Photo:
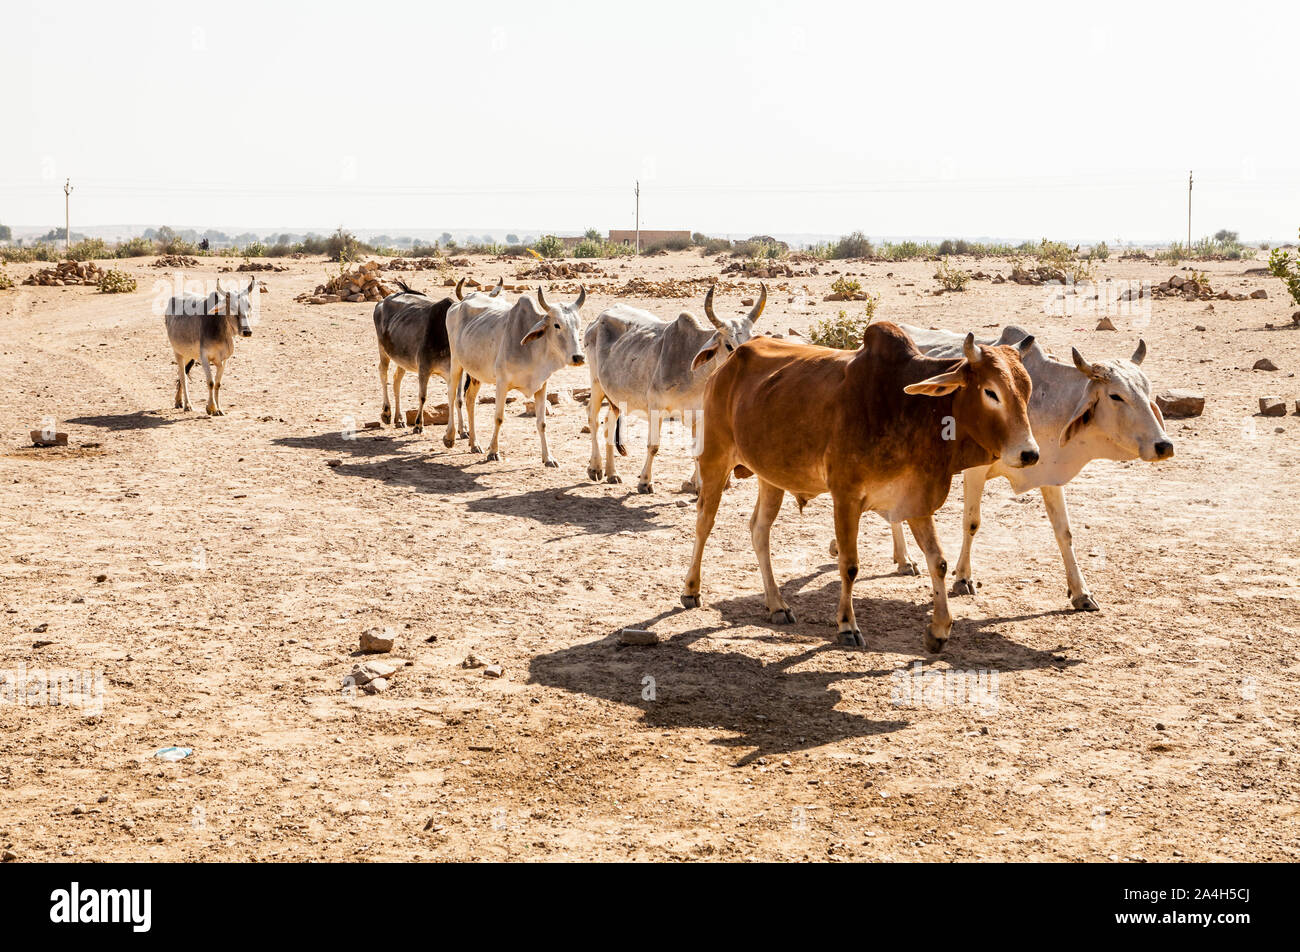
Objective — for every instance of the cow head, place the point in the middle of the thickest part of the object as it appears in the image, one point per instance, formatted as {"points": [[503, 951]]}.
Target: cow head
{"points": [[1117, 401], [991, 402], [728, 334], [238, 304], [560, 329]]}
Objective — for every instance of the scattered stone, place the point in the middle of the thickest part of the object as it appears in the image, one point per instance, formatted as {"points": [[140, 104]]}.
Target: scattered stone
{"points": [[1106, 324], [435, 417], [366, 674], [637, 636], [493, 671], [8, 856], [334, 462], [373, 641], [1272, 406], [1200, 327], [1259, 295], [1180, 403], [1264, 364], [46, 438], [101, 578], [473, 660]]}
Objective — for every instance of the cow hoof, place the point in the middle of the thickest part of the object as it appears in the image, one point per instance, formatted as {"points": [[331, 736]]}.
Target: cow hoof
{"points": [[908, 568], [417, 428], [476, 448], [551, 464], [178, 405], [782, 616], [689, 486], [1084, 603], [613, 480], [934, 644], [464, 434], [493, 457], [218, 412], [448, 442], [690, 601], [386, 415], [594, 474], [834, 549], [963, 586], [645, 488], [400, 424], [852, 639]]}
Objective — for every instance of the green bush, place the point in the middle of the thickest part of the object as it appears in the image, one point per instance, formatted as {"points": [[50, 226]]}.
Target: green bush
{"points": [[672, 244], [135, 248], [548, 246], [6, 282], [1282, 266], [906, 251], [951, 278], [842, 331], [846, 286], [254, 249], [1100, 251], [41, 251], [116, 282], [856, 245], [89, 249]]}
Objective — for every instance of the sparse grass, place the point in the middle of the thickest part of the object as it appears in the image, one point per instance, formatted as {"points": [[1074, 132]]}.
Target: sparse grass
{"points": [[89, 249], [597, 248], [1100, 251], [906, 251], [116, 281], [711, 247], [41, 251], [672, 244], [134, 248], [6, 282], [757, 250], [843, 332], [846, 286]]}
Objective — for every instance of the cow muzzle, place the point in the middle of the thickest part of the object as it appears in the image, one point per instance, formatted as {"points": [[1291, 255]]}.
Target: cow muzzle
{"points": [[1024, 455], [1163, 449], [246, 333], [578, 360]]}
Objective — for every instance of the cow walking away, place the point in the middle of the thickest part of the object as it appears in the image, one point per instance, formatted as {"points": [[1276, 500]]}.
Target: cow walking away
{"points": [[513, 347], [884, 428], [656, 367], [202, 329], [1080, 411], [411, 330]]}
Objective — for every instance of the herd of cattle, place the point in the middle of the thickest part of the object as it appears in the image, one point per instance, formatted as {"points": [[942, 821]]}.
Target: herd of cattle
{"points": [[884, 428]]}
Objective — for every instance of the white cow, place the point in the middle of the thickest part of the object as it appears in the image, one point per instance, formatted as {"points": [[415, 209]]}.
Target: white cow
{"points": [[514, 348], [1079, 412], [648, 365]]}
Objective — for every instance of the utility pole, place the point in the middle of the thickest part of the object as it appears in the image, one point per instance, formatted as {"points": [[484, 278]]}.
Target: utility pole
{"points": [[67, 214], [638, 216], [1189, 212]]}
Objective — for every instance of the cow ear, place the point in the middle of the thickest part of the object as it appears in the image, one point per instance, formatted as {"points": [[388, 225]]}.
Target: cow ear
{"points": [[1082, 415], [707, 352], [939, 386], [538, 330], [251, 282], [1160, 417]]}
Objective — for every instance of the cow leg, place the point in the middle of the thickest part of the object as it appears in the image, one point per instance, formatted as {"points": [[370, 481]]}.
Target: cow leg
{"points": [[973, 481], [848, 514], [386, 411], [454, 373], [611, 434], [936, 636], [1054, 499], [760, 533], [594, 472], [692, 485], [207, 372], [456, 397], [902, 559], [399, 418], [216, 389], [424, 395], [645, 482], [498, 417], [182, 385], [539, 409], [706, 511]]}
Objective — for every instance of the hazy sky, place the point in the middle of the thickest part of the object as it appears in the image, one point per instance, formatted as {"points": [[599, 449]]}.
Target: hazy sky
{"points": [[962, 119]]}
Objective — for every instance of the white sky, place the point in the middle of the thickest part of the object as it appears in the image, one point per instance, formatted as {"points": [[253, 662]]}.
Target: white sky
{"points": [[932, 118]]}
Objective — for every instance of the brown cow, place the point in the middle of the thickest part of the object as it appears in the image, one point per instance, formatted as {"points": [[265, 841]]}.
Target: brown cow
{"points": [[883, 428]]}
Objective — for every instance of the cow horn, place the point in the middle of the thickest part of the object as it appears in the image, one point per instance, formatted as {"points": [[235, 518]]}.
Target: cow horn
{"points": [[762, 303], [1140, 354], [497, 290], [460, 290], [582, 297], [708, 309], [541, 299], [971, 349], [1085, 368]]}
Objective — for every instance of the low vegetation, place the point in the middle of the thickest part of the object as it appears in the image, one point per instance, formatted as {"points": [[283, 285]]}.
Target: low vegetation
{"points": [[950, 277], [1287, 269], [549, 246], [599, 248], [116, 281], [843, 332], [6, 282]]}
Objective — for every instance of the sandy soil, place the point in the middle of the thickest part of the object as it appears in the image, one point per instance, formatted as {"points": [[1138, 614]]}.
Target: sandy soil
{"points": [[240, 567]]}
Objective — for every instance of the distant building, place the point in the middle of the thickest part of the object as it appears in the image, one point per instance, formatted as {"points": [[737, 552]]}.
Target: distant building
{"points": [[648, 238]]}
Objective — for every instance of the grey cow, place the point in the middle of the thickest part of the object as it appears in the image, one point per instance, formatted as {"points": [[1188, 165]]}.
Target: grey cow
{"points": [[203, 329], [411, 330], [514, 348], [1079, 412], [658, 368]]}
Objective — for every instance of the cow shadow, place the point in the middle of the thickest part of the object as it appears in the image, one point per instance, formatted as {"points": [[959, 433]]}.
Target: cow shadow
{"points": [[769, 708], [561, 506], [136, 420], [388, 460]]}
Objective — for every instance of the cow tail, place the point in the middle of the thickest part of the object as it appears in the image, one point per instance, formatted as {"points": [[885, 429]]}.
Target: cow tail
{"points": [[618, 430], [189, 367]]}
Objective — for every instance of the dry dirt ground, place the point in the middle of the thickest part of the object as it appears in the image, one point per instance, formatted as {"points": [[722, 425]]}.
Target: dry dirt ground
{"points": [[239, 567]]}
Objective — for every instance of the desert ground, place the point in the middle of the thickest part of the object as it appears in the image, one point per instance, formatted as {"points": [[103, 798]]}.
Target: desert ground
{"points": [[219, 572]]}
